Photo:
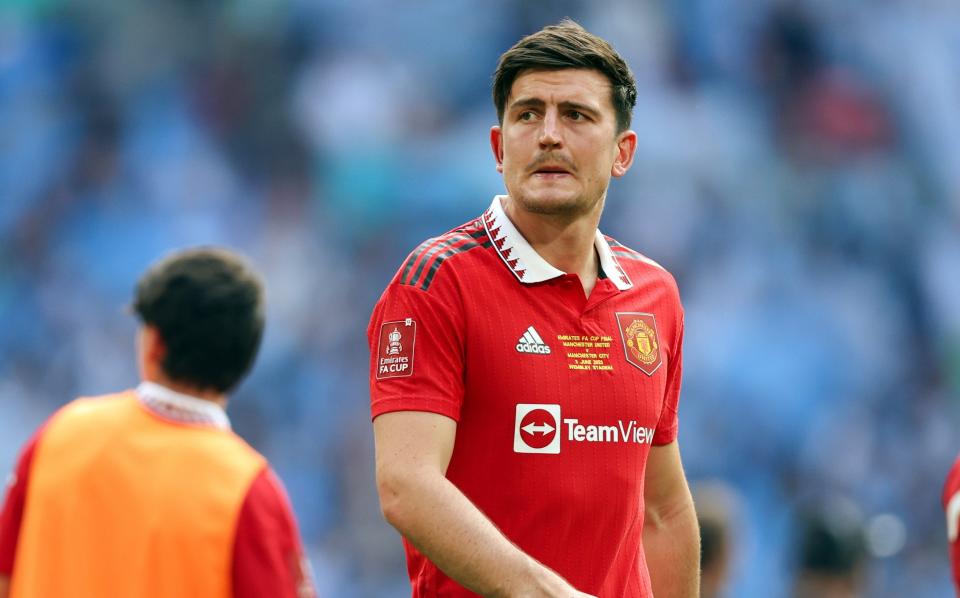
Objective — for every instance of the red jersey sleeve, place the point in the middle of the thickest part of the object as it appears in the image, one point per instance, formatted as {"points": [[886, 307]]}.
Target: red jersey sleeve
{"points": [[667, 426], [416, 350], [951, 506], [11, 516], [268, 557]]}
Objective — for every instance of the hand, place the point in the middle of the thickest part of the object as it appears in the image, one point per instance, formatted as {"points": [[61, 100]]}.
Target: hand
{"points": [[547, 584], [565, 590]]}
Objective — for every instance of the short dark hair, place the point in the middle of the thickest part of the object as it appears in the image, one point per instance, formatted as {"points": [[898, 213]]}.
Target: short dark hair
{"points": [[567, 45], [207, 305]]}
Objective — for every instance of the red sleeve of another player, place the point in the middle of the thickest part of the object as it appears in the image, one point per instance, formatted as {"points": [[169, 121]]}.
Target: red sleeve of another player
{"points": [[416, 351], [268, 557], [667, 426], [12, 515], [951, 506]]}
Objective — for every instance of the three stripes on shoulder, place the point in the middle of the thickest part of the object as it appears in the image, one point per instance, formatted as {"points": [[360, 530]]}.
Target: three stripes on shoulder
{"points": [[422, 265]]}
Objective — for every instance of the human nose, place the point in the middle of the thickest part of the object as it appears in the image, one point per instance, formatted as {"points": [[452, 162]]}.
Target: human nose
{"points": [[550, 130]]}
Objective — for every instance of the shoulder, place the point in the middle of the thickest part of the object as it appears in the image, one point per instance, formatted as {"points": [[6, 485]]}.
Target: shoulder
{"points": [[421, 268], [251, 458], [641, 269], [429, 285], [267, 492], [90, 412], [621, 251]]}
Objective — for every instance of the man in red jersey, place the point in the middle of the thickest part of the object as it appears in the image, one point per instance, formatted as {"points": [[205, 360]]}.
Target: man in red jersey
{"points": [[147, 492], [525, 368], [951, 505]]}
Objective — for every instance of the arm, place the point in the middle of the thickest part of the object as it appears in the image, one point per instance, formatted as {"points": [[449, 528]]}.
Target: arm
{"points": [[413, 451], [11, 514], [671, 538], [268, 557]]}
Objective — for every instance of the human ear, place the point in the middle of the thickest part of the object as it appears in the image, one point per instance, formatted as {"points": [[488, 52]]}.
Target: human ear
{"points": [[626, 148], [496, 144]]}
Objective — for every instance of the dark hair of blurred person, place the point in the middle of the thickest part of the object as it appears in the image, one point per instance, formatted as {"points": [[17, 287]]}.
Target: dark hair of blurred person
{"points": [[831, 555], [164, 499], [567, 46], [206, 305]]}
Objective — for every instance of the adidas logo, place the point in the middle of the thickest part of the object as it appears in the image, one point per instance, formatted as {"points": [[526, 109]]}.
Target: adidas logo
{"points": [[531, 342]]}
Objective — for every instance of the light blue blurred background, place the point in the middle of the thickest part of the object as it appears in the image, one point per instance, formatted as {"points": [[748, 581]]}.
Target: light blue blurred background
{"points": [[798, 171]]}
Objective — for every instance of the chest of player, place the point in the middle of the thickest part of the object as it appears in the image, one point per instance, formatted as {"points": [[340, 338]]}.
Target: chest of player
{"points": [[545, 357]]}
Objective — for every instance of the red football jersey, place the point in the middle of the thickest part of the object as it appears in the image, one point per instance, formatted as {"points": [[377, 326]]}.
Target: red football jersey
{"points": [[557, 396], [951, 505]]}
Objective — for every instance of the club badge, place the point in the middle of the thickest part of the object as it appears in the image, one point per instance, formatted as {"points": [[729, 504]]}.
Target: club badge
{"points": [[641, 344]]}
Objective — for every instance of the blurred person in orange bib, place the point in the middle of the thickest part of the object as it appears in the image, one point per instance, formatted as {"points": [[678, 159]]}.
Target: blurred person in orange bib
{"points": [[148, 492]]}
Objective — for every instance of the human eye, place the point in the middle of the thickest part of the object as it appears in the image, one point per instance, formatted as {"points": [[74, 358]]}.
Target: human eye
{"points": [[526, 116], [576, 115]]}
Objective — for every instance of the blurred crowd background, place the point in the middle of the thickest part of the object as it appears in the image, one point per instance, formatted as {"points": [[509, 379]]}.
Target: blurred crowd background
{"points": [[798, 171]]}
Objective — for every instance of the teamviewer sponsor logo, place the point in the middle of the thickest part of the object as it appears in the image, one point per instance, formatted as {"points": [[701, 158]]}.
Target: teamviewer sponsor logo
{"points": [[537, 429], [530, 342]]}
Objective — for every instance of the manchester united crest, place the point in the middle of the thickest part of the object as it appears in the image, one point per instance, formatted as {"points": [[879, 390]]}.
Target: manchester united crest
{"points": [[641, 344]]}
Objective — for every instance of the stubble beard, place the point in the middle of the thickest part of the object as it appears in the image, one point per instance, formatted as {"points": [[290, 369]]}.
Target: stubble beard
{"points": [[545, 203], [566, 208], [549, 207]]}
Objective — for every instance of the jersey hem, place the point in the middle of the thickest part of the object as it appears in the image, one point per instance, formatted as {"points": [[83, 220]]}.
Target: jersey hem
{"points": [[438, 406], [668, 437]]}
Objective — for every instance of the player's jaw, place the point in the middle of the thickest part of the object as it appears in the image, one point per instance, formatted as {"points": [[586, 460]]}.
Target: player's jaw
{"points": [[550, 185], [552, 198]]}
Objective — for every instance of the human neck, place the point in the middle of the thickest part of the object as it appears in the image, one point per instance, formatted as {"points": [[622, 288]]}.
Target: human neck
{"points": [[207, 395], [565, 242]]}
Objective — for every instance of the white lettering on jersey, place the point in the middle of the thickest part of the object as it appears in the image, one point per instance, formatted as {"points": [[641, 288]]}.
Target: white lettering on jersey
{"points": [[629, 431]]}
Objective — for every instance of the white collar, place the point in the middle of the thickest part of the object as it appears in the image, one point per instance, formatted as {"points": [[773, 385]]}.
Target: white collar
{"points": [[524, 261], [172, 405]]}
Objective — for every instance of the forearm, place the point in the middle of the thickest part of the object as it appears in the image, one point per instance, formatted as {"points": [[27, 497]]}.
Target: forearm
{"points": [[448, 529], [671, 543]]}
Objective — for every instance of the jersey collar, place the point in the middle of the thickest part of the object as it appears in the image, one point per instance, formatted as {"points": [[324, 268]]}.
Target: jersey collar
{"points": [[181, 408], [523, 260]]}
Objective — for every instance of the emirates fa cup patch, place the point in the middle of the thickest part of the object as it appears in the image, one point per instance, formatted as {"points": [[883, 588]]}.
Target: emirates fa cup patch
{"points": [[641, 344], [395, 352]]}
